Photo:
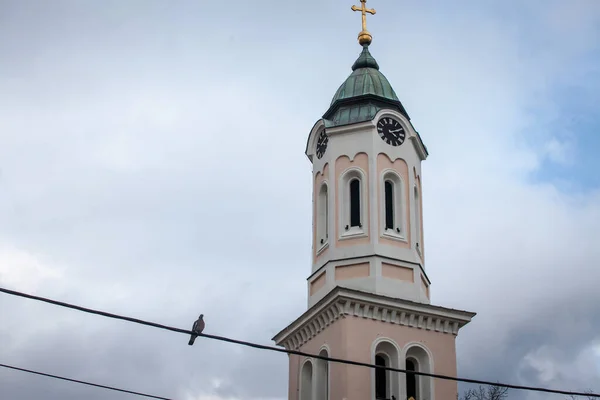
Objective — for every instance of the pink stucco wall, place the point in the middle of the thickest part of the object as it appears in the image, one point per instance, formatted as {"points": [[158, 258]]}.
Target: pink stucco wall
{"points": [[353, 338]]}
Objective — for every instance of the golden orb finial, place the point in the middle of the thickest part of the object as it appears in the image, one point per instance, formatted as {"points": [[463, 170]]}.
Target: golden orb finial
{"points": [[364, 37]]}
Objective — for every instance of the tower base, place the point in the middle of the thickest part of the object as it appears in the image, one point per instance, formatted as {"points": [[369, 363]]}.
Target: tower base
{"points": [[374, 329]]}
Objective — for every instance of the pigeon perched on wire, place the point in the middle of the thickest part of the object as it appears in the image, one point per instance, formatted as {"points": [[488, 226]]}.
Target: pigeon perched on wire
{"points": [[197, 328]]}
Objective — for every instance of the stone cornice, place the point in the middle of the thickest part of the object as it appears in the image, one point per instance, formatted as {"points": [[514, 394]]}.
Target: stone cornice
{"points": [[343, 302]]}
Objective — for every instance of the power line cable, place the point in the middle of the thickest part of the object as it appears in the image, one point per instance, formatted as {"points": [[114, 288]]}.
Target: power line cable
{"points": [[84, 382], [300, 353]]}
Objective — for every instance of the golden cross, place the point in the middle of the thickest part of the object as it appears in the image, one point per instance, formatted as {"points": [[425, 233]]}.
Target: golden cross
{"points": [[364, 37]]}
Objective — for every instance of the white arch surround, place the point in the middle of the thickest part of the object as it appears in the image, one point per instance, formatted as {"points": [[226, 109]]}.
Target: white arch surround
{"points": [[390, 350], [323, 217], [344, 204], [306, 380], [400, 206], [423, 359], [323, 375], [417, 216]]}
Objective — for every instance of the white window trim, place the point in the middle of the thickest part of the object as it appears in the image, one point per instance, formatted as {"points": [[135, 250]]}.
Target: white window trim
{"points": [[425, 384], [322, 247], [327, 380], [394, 362], [399, 206], [344, 192], [418, 381], [416, 195], [323, 230], [388, 375], [310, 391]]}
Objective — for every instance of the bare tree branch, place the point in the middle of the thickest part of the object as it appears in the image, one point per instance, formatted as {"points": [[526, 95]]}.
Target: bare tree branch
{"points": [[490, 392]]}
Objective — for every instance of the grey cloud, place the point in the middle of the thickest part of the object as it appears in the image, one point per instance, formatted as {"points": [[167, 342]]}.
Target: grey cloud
{"points": [[137, 137], [141, 358]]}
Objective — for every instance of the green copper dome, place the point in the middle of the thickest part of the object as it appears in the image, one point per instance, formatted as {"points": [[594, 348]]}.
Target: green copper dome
{"points": [[363, 94], [365, 79]]}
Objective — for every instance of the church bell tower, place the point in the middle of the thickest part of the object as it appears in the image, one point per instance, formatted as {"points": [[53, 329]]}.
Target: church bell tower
{"points": [[368, 290]]}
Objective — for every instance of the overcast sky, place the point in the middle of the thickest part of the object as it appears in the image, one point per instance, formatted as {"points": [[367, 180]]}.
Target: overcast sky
{"points": [[152, 164]]}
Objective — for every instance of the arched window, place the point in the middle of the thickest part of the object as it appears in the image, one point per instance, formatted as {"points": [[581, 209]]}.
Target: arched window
{"points": [[386, 383], [322, 216], [411, 379], [355, 202], [323, 377], [418, 386], [381, 384], [306, 381], [393, 205], [417, 209], [389, 205]]}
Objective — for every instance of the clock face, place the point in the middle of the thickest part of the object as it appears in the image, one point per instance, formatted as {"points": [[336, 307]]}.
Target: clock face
{"points": [[391, 131], [322, 144]]}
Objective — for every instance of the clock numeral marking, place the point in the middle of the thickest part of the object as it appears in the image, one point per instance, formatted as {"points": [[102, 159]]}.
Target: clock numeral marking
{"points": [[321, 144], [391, 131]]}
